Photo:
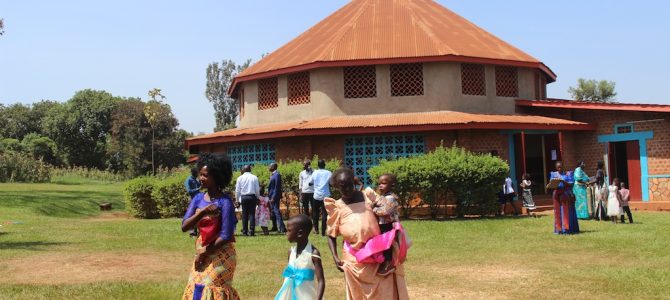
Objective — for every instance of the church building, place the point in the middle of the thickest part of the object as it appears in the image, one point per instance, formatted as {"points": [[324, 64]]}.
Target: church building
{"points": [[380, 79]]}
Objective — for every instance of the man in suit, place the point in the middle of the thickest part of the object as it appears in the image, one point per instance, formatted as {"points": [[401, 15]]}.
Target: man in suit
{"points": [[275, 193]]}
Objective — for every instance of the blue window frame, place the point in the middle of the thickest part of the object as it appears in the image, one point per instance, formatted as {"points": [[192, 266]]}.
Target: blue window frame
{"points": [[364, 152], [251, 154]]}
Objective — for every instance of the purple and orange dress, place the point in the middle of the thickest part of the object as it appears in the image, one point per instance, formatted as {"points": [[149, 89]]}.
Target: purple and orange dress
{"points": [[214, 282]]}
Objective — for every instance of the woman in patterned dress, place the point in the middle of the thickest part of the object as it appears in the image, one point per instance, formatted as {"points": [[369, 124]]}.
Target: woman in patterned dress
{"points": [[213, 213]]}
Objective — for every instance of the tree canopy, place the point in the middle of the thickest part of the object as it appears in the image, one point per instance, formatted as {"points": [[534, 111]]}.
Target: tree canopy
{"points": [[219, 78], [94, 129], [593, 91]]}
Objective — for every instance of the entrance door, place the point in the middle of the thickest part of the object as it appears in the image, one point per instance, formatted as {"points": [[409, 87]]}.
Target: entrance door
{"points": [[624, 163], [634, 172]]}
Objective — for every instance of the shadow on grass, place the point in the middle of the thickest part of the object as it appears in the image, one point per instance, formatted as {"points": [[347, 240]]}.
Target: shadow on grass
{"points": [[32, 246]]}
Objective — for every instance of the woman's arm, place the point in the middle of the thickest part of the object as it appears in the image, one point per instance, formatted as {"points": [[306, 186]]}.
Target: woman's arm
{"points": [[318, 272], [333, 250]]}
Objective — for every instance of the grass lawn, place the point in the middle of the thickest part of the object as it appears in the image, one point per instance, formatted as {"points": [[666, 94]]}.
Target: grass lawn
{"points": [[54, 244]]}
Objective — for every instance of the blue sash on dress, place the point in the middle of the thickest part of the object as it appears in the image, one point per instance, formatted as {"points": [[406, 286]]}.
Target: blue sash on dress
{"points": [[295, 278]]}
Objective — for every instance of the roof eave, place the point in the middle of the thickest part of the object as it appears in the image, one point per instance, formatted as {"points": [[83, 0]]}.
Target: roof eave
{"points": [[387, 129]]}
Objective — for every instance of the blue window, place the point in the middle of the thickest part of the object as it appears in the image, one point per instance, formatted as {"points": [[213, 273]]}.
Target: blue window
{"points": [[251, 154], [364, 152]]}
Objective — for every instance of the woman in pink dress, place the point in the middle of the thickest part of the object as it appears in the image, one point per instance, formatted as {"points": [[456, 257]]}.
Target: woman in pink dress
{"points": [[352, 218]]}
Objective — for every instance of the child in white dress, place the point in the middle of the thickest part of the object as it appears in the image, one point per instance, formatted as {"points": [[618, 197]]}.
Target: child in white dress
{"points": [[303, 277], [263, 211], [613, 200]]}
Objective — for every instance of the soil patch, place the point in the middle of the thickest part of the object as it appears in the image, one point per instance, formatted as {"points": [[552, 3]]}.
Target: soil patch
{"points": [[65, 268]]}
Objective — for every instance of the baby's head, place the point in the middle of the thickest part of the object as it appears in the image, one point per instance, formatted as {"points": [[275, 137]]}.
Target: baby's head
{"points": [[343, 180], [298, 228], [386, 183]]}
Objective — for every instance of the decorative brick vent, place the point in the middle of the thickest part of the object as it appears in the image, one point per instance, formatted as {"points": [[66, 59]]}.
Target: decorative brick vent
{"points": [[406, 80], [251, 154], [298, 88], [507, 82], [267, 93], [360, 82], [473, 79], [364, 152]]}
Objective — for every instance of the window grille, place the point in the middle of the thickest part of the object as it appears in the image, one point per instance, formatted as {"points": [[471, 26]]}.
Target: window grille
{"points": [[298, 88], [360, 82], [507, 82], [406, 80], [364, 152], [251, 154], [473, 79], [267, 93]]}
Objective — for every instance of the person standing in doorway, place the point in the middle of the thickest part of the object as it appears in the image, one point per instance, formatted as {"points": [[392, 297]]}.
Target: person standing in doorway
{"points": [[247, 192], [306, 186], [275, 193], [321, 179]]}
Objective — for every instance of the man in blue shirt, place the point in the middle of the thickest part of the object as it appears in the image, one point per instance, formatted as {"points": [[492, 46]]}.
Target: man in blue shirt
{"points": [[192, 183], [193, 188], [321, 179], [274, 193]]}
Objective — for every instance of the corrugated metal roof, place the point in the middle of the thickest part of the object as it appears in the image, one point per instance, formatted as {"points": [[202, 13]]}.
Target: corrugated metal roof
{"points": [[422, 121], [574, 104], [388, 29]]}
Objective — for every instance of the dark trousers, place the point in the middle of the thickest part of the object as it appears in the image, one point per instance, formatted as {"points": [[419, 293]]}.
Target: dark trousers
{"points": [[319, 209], [388, 253], [306, 199], [276, 216], [249, 214], [626, 209]]}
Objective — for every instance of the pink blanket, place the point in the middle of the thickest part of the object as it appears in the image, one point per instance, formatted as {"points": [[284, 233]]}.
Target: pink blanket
{"points": [[371, 252]]}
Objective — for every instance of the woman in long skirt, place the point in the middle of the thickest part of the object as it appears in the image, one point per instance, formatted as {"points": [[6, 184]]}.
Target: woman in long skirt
{"points": [[579, 189], [563, 205]]}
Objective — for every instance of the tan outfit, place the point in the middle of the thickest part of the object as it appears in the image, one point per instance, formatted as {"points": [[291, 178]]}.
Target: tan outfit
{"points": [[357, 224]]}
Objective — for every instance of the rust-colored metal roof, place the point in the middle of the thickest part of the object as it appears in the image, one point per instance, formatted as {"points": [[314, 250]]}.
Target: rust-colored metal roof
{"points": [[574, 104], [389, 31], [389, 123]]}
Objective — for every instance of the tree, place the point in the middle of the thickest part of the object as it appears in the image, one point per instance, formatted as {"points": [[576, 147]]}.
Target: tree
{"points": [[2, 26], [41, 147], [80, 127], [594, 91], [128, 136], [16, 121], [151, 112], [219, 79]]}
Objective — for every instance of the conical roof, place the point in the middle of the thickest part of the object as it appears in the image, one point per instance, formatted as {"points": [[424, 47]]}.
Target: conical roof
{"points": [[389, 31]]}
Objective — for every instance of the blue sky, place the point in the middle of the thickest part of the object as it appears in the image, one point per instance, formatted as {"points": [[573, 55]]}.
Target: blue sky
{"points": [[53, 48]]}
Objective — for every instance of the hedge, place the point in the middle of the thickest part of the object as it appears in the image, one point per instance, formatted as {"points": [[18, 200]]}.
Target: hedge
{"points": [[170, 195], [137, 194], [472, 179]]}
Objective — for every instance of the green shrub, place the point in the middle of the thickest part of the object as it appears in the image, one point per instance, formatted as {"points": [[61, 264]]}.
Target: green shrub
{"points": [[18, 167], [472, 178], [137, 195], [170, 195]]}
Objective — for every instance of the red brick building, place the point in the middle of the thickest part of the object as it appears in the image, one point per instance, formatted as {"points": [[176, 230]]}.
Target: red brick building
{"points": [[380, 79]]}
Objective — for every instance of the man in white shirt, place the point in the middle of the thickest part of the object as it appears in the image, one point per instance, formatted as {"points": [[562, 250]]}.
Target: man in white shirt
{"points": [[508, 196], [321, 179], [306, 186], [247, 192]]}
